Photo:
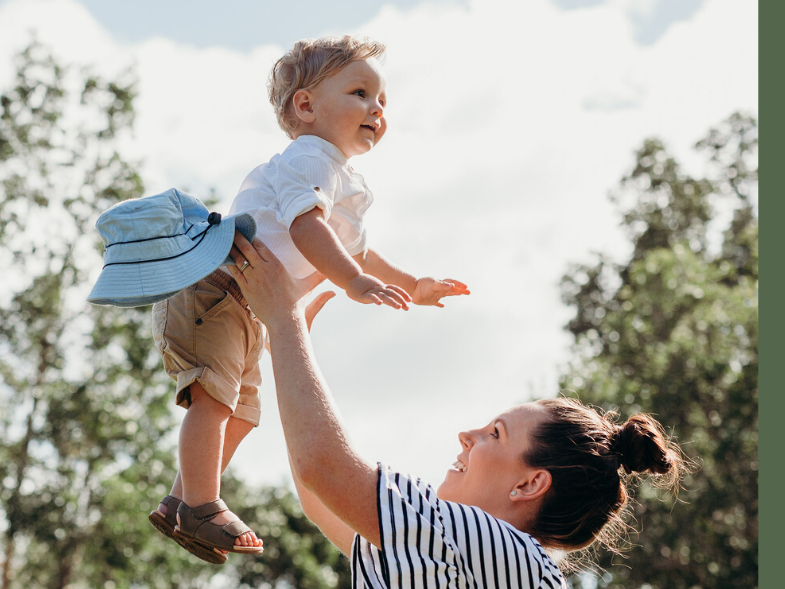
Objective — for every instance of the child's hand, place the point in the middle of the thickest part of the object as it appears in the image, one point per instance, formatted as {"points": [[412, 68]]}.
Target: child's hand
{"points": [[429, 291], [366, 289]]}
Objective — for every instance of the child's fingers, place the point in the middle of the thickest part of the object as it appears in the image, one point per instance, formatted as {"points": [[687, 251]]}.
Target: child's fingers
{"points": [[403, 294], [371, 299], [455, 282], [455, 287], [389, 301], [395, 295]]}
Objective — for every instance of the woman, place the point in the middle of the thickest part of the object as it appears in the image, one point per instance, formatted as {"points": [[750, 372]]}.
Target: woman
{"points": [[541, 474]]}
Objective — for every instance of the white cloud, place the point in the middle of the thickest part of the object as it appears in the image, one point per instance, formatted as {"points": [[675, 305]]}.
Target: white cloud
{"points": [[509, 122]]}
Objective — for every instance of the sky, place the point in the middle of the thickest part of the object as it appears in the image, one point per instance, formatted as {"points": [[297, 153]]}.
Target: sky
{"points": [[509, 123]]}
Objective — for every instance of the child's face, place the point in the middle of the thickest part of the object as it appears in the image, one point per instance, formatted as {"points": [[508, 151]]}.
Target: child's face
{"points": [[348, 107]]}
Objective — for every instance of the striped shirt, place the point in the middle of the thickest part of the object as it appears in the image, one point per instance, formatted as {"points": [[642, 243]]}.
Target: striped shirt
{"points": [[432, 544]]}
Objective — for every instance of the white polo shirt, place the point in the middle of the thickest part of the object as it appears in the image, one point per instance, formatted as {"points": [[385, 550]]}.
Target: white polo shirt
{"points": [[311, 172], [432, 544]]}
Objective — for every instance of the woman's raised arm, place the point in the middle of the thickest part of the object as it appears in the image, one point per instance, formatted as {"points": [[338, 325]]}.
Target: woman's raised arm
{"points": [[321, 456]]}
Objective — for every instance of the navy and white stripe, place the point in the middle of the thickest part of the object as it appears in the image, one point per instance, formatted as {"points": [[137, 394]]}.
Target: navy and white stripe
{"points": [[432, 544]]}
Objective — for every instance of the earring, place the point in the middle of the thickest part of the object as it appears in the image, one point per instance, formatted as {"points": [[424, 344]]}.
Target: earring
{"points": [[514, 493]]}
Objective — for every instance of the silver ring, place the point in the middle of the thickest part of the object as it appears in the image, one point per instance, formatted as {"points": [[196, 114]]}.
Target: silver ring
{"points": [[244, 266]]}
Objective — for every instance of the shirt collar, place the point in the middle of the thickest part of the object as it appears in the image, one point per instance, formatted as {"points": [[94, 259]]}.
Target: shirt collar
{"points": [[324, 146]]}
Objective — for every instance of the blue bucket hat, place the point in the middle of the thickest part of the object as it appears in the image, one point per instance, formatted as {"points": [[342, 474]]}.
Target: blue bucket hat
{"points": [[158, 245]]}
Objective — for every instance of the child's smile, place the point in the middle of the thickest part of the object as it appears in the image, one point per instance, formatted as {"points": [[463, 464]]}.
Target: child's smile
{"points": [[348, 108]]}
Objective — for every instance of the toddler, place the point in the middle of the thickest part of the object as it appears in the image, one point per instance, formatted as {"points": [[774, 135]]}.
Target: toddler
{"points": [[308, 205]]}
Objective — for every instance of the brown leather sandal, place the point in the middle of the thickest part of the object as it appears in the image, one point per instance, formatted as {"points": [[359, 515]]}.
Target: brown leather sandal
{"points": [[167, 523], [195, 526]]}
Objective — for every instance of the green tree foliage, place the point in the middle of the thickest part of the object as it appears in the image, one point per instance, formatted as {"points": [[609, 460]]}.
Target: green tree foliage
{"points": [[85, 407], [81, 393], [674, 332]]}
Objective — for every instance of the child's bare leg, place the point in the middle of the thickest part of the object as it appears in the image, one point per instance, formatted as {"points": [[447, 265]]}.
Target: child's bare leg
{"points": [[203, 433], [236, 430]]}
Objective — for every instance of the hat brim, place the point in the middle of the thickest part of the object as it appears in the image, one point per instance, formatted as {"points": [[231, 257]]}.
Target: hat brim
{"points": [[144, 283]]}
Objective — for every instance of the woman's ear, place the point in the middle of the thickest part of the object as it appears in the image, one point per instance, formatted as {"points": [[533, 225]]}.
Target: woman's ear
{"points": [[303, 106], [534, 486]]}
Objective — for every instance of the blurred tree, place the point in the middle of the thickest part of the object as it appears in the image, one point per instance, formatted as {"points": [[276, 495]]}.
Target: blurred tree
{"points": [[674, 332], [84, 404]]}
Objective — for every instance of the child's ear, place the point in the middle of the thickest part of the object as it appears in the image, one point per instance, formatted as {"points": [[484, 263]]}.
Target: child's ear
{"points": [[303, 106]]}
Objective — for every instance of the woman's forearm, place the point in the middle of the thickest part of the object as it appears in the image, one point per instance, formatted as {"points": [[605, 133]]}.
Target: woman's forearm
{"points": [[319, 450], [321, 456], [334, 529]]}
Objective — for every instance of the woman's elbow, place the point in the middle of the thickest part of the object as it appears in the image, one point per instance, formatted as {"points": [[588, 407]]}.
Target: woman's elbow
{"points": [[310, 474]]}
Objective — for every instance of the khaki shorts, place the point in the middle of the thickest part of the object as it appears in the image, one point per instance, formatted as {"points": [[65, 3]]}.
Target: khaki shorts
{"points": [[207, 334]]}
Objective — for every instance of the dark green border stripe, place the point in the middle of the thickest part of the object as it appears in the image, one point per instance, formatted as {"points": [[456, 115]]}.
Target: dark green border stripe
{"points": [[772, 326]]}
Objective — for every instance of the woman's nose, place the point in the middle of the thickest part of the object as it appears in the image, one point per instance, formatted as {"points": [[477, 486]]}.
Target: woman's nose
{"points": [[466, 439]]}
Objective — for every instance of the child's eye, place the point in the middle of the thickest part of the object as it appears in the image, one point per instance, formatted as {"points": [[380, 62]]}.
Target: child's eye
{"points": [[360, 93]]}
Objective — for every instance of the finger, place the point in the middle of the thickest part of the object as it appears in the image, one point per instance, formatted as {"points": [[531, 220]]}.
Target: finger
{"points": [[371, 298], [396, 296], [456, 288], [264, 252], [440, 305], [456, 283], [235, 272], [246, 249], [236, 255], [322, 298], [238, 276], [404, 295], [316, 305], [460, 286], [389, 301]]}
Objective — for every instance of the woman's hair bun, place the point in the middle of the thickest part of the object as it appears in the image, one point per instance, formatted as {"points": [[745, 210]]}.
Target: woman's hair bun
{"points": [[641, 446]]}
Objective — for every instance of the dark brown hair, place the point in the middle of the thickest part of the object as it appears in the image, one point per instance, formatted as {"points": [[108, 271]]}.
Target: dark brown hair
{"points": [[589, 458]]}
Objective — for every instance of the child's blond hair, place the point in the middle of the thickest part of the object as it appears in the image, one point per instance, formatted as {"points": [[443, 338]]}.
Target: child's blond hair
{"points": [[309, 62]]}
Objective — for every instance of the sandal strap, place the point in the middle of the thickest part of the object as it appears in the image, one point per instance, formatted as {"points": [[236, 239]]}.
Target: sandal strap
{"points": [[172, 504], [208, 510], [168, 499], [236, 529], [195, 523]]}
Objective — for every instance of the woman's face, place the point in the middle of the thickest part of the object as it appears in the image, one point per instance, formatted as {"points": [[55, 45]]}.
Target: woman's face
{"points": [[490, 463]]}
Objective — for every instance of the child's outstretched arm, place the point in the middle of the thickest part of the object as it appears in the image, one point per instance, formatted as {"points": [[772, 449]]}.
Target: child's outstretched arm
{"points": [[424, 291], [321, 247]]}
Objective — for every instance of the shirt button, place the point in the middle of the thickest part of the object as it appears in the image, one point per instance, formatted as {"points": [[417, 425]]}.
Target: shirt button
{"points": [[199, 321]]}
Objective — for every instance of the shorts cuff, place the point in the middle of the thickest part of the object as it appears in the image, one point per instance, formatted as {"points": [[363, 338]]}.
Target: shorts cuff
{"points": [[247, 413], [213, 384]]}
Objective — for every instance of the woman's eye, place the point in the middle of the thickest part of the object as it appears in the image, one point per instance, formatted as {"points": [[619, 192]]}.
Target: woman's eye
{"points": [[495, 433]]}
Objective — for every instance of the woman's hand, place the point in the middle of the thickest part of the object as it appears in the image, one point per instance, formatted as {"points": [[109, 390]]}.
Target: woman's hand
{"points": [[322, 458], [313, 308], [269, 289]]}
